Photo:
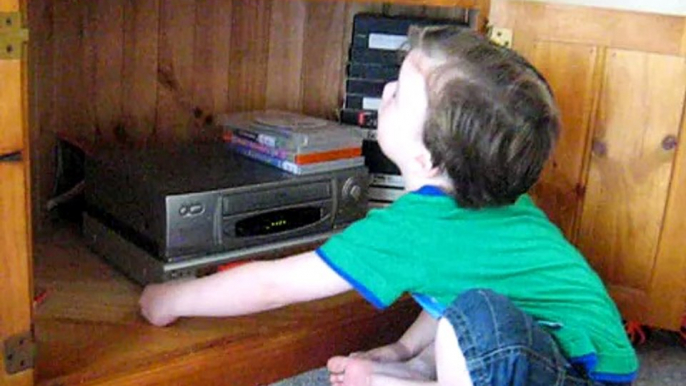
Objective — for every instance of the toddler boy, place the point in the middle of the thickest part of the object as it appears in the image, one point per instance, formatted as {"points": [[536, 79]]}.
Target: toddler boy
{"points": [[506, 299]]}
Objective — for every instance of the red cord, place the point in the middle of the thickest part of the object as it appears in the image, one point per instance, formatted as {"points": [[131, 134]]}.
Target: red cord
{"points": [[636, 332], [228, 266], [40, 296]]}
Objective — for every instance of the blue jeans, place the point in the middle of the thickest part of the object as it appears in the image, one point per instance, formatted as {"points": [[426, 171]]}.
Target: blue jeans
{"points": [[504, 346]]}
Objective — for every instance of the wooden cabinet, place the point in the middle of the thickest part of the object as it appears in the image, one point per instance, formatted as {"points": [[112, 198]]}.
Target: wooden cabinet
{"points": [[154, 71], [144, 72], [616, 182]]}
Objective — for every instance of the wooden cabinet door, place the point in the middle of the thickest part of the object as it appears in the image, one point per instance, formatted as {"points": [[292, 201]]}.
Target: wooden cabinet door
{"points": [[15, 240], [11, 121], [15, 307], [632, 161], [570, 70], [616, 184]]}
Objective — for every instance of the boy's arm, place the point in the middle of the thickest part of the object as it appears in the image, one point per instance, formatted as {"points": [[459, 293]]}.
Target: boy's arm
{"points": [[246, 289]]}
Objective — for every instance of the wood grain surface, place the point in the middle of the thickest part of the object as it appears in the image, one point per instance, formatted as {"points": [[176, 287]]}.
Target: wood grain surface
{"points": [[15, 213], [569, 69]]}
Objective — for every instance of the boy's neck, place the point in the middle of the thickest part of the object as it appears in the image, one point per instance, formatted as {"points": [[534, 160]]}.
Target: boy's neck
{"points": [[413, 182]]}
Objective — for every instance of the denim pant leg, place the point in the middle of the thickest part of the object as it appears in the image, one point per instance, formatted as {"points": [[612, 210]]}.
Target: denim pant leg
{"points": [[504, 346]]}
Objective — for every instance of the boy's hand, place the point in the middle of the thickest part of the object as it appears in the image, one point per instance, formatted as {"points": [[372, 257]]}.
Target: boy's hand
{"points": [[157, 304]]}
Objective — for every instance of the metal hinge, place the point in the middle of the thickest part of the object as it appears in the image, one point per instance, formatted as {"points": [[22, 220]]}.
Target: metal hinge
{"points": [[19, 353], [13, 35], [500, 36]]}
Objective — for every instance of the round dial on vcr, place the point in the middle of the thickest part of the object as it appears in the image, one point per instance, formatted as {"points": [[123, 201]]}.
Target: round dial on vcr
{"points": [[352, 189]]}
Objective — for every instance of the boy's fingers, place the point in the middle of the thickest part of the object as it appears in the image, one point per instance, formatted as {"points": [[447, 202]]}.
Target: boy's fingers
{"points": [[336, 379]]}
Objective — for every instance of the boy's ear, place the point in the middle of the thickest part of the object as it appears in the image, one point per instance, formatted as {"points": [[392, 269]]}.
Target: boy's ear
{"points": [[424, 164]]}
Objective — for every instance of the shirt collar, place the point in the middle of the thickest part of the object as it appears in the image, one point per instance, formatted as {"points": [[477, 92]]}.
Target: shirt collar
{"points": [[430, 190]]}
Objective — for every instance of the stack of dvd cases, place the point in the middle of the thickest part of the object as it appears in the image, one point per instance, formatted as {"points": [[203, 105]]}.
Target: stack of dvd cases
{"points": [[376, 52], [292, 142]]}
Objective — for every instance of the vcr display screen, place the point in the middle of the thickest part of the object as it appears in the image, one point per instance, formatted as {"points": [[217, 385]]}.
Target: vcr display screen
{"points": [[277, 221]]}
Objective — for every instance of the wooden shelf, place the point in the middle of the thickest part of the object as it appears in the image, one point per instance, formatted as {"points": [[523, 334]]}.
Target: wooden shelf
{"points": [[89, 330]]}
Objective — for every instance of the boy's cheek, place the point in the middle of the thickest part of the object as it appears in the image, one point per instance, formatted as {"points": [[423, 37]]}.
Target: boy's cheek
{"points": [[388, 90], [385, 118], [390, 145]]}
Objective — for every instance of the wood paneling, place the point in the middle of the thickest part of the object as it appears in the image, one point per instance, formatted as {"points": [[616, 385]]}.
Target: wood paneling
{"points": [[12, 132], [72, 106], [323, 77], [139, 72], [175, 71], [151, 71], [286, 45], [249, 54], [211, 74], [9, 5], [104, 22], [667, 282], [633, 152], [12, 138], [589, 25], [569, 69], [640, 108], [41, 79]]}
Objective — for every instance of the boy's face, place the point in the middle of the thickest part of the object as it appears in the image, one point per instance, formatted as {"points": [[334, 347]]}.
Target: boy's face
{"points": [[402, 113]]}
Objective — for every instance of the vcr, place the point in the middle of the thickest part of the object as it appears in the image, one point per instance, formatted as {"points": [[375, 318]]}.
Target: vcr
{"points": [[159, 214]]}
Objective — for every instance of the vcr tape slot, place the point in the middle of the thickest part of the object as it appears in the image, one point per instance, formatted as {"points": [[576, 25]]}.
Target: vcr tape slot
{"points": [[274, 197]]}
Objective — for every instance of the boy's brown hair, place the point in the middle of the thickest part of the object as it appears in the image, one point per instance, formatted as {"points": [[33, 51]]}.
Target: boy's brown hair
{"points": [[491, 122]]}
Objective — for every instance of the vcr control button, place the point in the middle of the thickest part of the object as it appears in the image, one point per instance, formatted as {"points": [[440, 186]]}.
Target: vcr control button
{"points": [[196, 209]]}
